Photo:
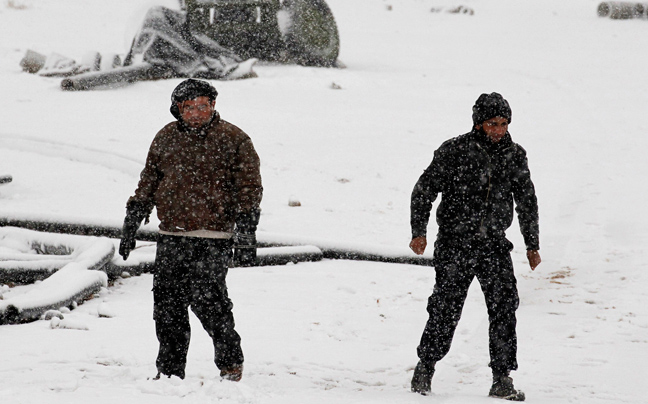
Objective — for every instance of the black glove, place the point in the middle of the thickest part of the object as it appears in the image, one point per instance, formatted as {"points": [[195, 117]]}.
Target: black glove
{"points": [[245, 239], [135, 213]]}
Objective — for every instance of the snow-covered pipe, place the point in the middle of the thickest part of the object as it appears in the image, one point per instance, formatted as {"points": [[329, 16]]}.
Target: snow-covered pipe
{"points": [[27, 256], [127, 74], [68, 286], [74, 228], [330, 249]]}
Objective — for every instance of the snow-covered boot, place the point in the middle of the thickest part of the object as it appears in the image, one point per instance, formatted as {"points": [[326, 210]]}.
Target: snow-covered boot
{"points": [[422, 379], [503, 388]]}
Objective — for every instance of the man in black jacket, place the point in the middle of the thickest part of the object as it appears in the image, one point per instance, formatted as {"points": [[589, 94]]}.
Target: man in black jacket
{"points": [[479, 175]]}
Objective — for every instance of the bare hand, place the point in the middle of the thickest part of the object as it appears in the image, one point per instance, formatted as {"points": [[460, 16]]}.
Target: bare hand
{"points": [[418, 245], [534, 259]]}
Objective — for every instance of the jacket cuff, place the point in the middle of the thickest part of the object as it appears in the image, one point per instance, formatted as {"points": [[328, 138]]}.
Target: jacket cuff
{"points": [[418, 233], [532, 243], [246, 222]]}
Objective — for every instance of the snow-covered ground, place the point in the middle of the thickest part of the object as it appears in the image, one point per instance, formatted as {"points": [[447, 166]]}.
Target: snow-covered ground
{"points": [[338, 331]]}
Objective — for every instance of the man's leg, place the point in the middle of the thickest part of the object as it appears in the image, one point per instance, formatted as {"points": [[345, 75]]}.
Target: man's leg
{"points": [[444, 307], [499, 285], [212, 305], [171, 301]]}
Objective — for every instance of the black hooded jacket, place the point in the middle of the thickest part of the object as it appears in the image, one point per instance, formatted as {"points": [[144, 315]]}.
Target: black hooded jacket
{"points": [[479, 180]]}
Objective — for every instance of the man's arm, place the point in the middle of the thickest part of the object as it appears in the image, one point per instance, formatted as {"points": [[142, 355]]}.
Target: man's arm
{"points": [[425, 192], [526, 206], [150, 177], [135, 213], [423, 195], [250, 191], [140, 205], [247, 178]]}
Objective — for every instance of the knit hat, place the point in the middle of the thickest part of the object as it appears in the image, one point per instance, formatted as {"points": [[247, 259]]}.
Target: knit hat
{"points": [[489, 106], [189, 90]]}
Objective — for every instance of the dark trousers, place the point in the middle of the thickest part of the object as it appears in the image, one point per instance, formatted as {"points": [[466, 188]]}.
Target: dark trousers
{"points": [[455, 269], [191, 271]]}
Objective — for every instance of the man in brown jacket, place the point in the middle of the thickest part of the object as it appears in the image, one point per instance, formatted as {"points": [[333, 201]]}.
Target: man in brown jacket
{"points": [[202, 175]]}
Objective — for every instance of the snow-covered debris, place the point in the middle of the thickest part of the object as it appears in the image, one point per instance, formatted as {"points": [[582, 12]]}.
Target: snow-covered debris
{"points": [[27, 256], [69, 265], [50, 314], [69, 285], [104, 310], [68, 324], [622, 10]]}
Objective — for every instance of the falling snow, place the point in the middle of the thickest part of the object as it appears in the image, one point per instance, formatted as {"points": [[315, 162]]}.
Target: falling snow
{"points": [[342, 331]]}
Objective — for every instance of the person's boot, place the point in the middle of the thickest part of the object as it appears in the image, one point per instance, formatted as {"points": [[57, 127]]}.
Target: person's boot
{"points": [[503, 388], [159, 375], [233, 373], [422, 379]]}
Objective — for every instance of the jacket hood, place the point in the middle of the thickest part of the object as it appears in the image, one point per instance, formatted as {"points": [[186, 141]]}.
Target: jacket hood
{"points": [[490, 106]]}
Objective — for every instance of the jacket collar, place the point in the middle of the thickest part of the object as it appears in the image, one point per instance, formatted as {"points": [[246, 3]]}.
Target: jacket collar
{"points": [[479, 136], [200, 132]]}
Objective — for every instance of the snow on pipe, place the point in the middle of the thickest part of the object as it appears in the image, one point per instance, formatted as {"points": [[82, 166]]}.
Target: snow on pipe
{"points": [[68, 286], [265, 256], [27, 256], [70, 266], [621, 10], [283, 255], [128, 74], [349, 251], [142, 259], [329, 250], [74, 228]]}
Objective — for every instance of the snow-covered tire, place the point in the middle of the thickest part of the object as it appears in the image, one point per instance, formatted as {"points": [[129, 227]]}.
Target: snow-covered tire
{"points": [[621, 10], [310, 32]]}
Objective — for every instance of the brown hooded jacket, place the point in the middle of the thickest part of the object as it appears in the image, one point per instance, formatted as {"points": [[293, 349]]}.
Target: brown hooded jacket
{"points": [[200, 180]]}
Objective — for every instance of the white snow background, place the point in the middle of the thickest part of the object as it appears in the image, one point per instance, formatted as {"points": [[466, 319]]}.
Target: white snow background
{"points": [[342, 331]]}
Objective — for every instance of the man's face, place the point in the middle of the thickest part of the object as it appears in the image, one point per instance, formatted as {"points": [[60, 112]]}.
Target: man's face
{"points": [[198, 112], [495, 128]]}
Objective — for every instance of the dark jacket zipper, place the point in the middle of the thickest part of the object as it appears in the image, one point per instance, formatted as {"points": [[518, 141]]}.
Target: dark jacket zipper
{"points": [[490, 170]]}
